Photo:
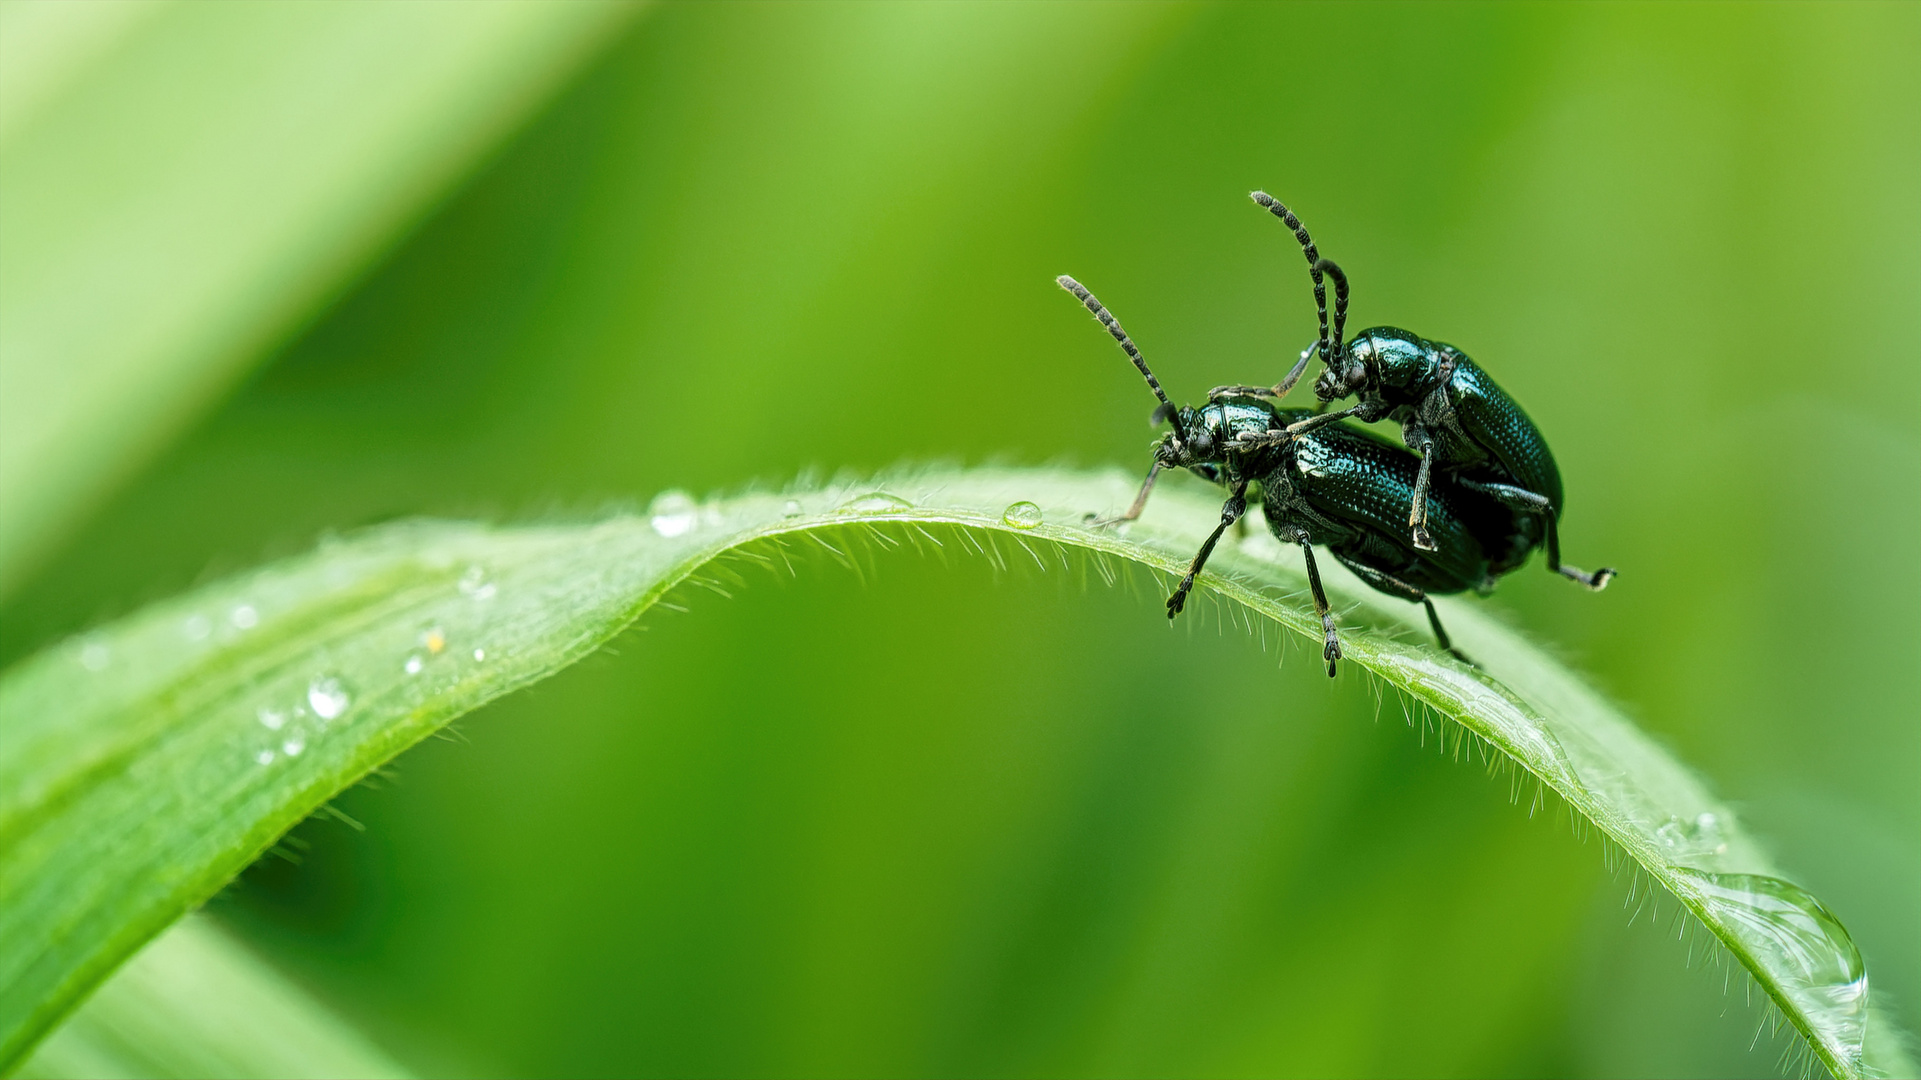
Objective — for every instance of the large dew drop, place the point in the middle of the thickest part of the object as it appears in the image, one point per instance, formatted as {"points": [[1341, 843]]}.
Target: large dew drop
{"points": [[673, 513], [1022, 515], [876, 502], [328, 697], [1814, 962]]}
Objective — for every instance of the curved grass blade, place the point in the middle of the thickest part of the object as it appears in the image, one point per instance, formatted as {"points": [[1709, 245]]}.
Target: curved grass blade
{"points": [[144, 765]]}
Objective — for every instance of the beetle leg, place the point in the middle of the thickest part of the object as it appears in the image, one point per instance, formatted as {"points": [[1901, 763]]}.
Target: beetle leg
{"points": [[1252, 440], [1417, 510], [1239, 390], [1277, 391], [1302, 426], [1140, 501], [1394, 586], [1596, 581], [1231, 512], [1520, 498], [1294, 374], [1331, 641]]}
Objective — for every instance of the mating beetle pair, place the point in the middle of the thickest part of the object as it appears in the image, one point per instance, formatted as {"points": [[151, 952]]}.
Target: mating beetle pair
{"points": [[1481, 495]]}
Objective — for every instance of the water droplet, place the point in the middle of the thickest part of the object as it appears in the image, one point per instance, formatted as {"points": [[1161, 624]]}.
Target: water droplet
{"points": [[196, 627], [328, 696], [265, 757], [1801, 942], [272, 719], [1698, 836], [790, 508], [876, 502], [94, 656], [435, 640], [673, 513], [475, 584], [480, 654], [293, 746], [1022, 515], [244, 617], [414, 665]]}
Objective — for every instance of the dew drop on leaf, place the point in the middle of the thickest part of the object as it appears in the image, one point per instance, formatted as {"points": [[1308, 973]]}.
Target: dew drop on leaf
{"points": [[790, 508], [1022, 515], [272, 719], [876, 502], [244, 617], [196, 628], [414, 665], [1820, 967], [292, 747], [265, 757], [328, 697], [673, 513]]}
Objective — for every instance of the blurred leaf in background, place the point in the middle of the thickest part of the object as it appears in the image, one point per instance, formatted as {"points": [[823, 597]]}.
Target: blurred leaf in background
{"points": [[948, 821], [182, 182]]}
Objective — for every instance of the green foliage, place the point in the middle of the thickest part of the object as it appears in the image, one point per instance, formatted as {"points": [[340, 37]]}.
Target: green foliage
{"points": [[150, 761], [963, 822], [208, 173], [196, 1003]]}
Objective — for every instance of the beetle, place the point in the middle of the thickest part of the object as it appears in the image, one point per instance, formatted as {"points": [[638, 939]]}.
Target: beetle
{"points": [[1333, 485], [1451, 413]]}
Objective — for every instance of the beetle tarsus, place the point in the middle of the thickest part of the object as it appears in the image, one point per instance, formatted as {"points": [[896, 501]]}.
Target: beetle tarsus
{"points": [[1178, 601], [1595, 582]]}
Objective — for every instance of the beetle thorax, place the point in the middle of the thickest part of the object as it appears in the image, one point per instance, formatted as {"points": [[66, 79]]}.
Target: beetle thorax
{"points": [[1211, 431]]}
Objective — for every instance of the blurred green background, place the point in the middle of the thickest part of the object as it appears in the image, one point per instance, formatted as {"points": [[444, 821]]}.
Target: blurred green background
{"points": [[948, 821]]}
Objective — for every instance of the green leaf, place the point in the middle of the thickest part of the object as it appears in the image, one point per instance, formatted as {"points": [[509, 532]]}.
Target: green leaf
{"points": [[143, 765], [196, 1003], [180, 183]]}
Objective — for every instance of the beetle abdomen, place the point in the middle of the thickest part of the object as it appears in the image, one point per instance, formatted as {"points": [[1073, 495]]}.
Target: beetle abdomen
{"points": [[1367, 484], [1486, 414]]}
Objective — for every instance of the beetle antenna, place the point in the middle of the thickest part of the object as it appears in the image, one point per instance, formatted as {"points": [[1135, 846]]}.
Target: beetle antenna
{"points": [[1127, 345], [1315, 266], [1333, 270]]}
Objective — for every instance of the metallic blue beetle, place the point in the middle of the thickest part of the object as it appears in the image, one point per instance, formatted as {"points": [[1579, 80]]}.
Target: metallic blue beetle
{"points": [[1462, 424]]}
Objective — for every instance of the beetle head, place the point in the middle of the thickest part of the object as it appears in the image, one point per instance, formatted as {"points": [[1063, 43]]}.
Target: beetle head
{"points": [[1193, 440], [1347, 370]]}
